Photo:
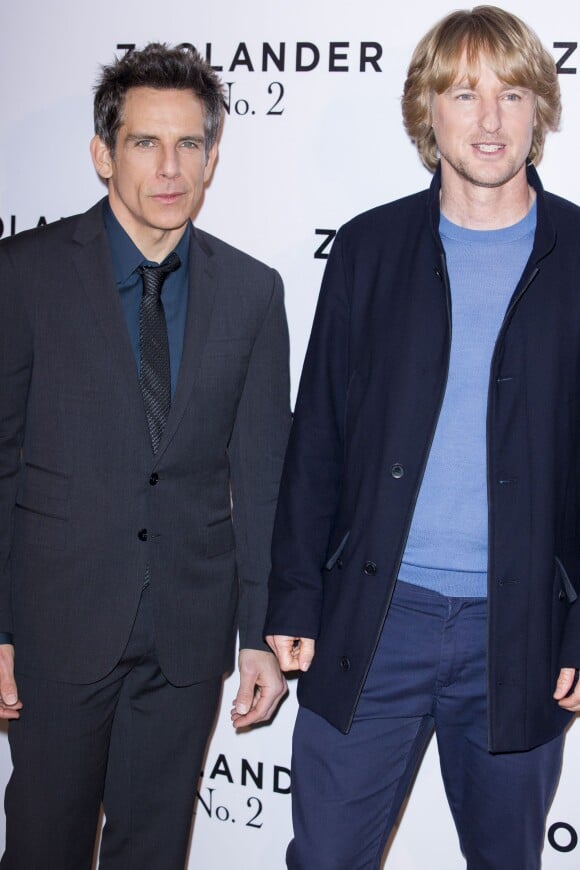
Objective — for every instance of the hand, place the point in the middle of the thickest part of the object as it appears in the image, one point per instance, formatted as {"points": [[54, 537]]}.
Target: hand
{"points": [[563, 686], [262, 687], [293, 653], [9, 703]]}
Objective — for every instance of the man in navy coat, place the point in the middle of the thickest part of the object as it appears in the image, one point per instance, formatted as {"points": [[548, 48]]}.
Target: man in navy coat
{"points": [[426, 557], [143, 422]]}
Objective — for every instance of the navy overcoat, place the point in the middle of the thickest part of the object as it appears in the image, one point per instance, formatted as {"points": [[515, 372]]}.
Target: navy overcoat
{"points": [[368, 405]]}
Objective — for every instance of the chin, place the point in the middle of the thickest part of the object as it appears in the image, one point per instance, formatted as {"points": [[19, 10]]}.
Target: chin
{"points": [[494, 178], [170, 221], [495, 182]]}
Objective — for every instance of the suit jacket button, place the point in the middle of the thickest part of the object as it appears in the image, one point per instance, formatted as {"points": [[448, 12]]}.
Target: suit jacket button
{"points": [[345, 663], [142, 534], [339, 562], [154, 479], [370, 568], [397, 470], [561, 595]]}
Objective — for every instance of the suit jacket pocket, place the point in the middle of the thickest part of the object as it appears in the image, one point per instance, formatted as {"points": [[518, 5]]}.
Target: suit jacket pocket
{"points": [[220, 538], [217, 347], [44, 492], [42, 508], [34, 528]]}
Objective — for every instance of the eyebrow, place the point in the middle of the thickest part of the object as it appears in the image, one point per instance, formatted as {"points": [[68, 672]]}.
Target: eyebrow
{"points": [[464, 85], [133, 137]]}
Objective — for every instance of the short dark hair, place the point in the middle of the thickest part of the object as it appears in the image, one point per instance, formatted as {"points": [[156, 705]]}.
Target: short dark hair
{"points": [[162, 67], [515, 53]]}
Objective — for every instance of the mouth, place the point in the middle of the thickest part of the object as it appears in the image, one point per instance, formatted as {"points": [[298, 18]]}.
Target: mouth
{"points": [[488, 147], [167, 198]]}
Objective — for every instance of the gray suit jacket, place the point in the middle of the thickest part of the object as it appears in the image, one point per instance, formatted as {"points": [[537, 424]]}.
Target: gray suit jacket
{"points": [[84, 503]]}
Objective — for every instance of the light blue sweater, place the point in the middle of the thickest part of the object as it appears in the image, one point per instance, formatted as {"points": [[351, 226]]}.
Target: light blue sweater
{"points": [[447, 545]]}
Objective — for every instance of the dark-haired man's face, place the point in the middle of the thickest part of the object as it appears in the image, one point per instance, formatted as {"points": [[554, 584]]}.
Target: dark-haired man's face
{"points": [[157, 175]]}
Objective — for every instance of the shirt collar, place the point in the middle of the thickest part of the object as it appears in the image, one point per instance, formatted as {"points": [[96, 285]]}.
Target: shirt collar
{"points": [[126, 255]]}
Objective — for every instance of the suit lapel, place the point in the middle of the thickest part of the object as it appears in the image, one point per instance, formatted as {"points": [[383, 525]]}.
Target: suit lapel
{"points": [[92, 261], [202, 285]]}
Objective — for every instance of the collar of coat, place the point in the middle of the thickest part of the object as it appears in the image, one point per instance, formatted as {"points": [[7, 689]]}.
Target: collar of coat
{"points": [[545, 236]]}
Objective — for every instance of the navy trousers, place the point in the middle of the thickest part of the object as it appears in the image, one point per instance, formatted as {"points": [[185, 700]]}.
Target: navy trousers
{"points": [[131, 740], [429, 673]]}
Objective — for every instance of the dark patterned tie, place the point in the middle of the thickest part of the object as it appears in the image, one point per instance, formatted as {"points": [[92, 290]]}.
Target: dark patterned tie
{"points": [[155, 372]]}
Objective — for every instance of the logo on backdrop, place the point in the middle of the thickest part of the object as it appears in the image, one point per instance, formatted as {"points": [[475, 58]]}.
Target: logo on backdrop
{"points": [[324, 243], [562, 837], [10, 225], [563, 53], [280, 57], [221, 803], [334, 57]]}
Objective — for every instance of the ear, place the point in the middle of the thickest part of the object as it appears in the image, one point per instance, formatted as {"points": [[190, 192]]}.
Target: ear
{"points": [[101, 155], [210, 162]]}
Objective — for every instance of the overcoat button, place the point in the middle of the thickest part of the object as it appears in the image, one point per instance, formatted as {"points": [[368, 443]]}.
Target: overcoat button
{"points": [[142, 534], [561, 595], [339, 563], [345, 663], [397, 470], [370, 568]]}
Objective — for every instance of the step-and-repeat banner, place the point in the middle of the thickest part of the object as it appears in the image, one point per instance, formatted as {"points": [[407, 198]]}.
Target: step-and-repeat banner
{"points": [[313, 135]]}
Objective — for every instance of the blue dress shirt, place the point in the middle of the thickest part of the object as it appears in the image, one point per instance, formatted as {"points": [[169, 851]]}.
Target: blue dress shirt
{"points": [[127, 258]]}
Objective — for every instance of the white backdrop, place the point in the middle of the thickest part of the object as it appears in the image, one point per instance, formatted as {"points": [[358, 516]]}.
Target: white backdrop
{"points": [[310, 140]]}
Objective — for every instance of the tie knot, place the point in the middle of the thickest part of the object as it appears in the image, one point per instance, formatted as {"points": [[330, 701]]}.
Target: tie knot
{"points": [[154, 276]]}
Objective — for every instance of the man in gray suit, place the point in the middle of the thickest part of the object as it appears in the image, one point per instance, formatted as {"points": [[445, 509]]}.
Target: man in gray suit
{"points": [[143, 422]]}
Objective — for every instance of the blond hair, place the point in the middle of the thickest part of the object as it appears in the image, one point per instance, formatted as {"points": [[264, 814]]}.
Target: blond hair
{"points": [[515, 54]]}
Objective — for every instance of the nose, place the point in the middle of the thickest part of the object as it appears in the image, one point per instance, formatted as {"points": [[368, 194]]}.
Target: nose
{"points": [[490, 119], [169, 162]]}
